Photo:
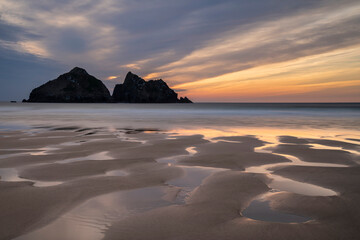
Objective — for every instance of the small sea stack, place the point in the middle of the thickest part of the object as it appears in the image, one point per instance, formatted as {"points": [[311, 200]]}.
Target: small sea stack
{"points": [[137, 90]]}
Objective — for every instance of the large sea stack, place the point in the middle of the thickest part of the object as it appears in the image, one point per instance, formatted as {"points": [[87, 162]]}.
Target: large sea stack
{"points": [[137, 90], [76, 86]]}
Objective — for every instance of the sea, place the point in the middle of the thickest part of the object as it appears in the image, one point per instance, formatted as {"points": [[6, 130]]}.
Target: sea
{"points": [[167, 117]]}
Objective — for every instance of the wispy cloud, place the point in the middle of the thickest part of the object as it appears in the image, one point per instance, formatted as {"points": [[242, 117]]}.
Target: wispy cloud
{"points": [[323, 72], [179, 41], [270, 42]]}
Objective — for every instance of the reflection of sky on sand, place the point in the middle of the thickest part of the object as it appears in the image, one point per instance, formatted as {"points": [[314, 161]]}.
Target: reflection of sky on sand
{"points": [[288, 185], [11, 175], [319, 146], [116, 173], [270, 133], [23, 152], [260, 209], [43, 150], [96, 156], [173, 159], [90, 219], [192, 178]]}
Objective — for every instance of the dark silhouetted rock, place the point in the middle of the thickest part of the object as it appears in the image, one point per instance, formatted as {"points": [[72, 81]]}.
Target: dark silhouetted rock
{"points": [[184, 100], [137, 90], [76, 86]]}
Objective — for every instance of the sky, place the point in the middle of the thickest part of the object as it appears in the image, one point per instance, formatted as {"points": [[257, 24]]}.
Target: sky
{"points": [[208, 50]]}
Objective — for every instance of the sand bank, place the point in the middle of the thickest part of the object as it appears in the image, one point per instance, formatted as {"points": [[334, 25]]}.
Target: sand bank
{"points": [[203, 185]]}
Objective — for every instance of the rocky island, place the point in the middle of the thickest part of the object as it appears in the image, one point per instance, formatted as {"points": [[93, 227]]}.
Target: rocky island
{"points": [[137, 90], [77, 86]]}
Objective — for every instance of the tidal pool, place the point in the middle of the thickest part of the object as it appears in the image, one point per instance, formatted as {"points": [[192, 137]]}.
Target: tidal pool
{"points": [[260, 210]]}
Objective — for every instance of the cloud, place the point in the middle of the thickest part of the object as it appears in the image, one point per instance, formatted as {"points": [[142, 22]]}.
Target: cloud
{"points": [[19, 73], [300, 77], [265, 43], [180, 89], [13, 33], [179, 41]]}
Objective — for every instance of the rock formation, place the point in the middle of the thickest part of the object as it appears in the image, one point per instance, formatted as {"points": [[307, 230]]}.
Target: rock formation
{"points": [[76, 86], [184, 100], [137, 90]]}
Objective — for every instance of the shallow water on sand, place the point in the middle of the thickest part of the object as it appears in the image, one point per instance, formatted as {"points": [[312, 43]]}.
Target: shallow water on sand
{"points": [[11, 175], [260, 209], [96, 156], [285, 184], [90, 219]]}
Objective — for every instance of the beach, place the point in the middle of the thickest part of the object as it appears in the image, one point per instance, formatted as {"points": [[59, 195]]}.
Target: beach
{"points": [[174, 171]]}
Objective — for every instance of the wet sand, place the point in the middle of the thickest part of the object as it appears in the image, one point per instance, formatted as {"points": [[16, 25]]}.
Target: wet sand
{"points": [[149, 184]]}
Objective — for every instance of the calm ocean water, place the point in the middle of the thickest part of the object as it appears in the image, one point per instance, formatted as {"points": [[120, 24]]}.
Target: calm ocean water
{"points": [[170, 116]]}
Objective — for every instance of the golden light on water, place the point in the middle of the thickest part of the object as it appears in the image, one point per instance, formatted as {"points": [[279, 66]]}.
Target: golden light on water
{"points": [[270, 134]]}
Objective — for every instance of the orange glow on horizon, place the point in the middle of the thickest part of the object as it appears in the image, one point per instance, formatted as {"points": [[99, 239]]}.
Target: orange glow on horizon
{"points": [[336, 72], [112, 77]]}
